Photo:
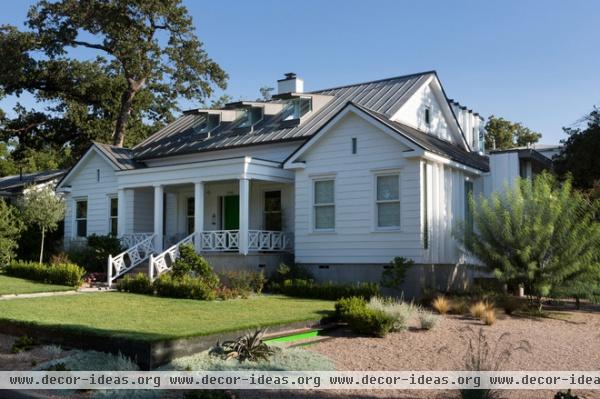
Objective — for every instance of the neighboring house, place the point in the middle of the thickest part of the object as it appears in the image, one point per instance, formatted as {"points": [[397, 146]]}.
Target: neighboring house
{"points": [[13, 187], [339, 180]]}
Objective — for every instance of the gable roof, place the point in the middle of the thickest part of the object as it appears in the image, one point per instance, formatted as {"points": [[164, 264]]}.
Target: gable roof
{"points": [[384, 96], [18, 182], [418, 138]]}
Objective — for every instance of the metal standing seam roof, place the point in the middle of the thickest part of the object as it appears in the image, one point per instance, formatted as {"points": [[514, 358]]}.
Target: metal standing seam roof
{"points": [[10, 183], [382, 96], [122, 158]]}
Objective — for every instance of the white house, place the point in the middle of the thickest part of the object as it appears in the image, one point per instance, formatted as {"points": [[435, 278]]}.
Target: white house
{"points": [[339, 180]]}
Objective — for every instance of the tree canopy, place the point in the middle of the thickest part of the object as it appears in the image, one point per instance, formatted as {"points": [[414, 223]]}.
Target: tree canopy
{"points": [[538, 233], [138, 59], [503, 134], [579, 155]]}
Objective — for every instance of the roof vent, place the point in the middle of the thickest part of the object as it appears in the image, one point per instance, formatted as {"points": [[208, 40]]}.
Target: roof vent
{"points": [[290, 84]]}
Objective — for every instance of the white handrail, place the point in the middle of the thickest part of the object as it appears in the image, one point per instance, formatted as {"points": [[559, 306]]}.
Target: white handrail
{"points": [[136, 255], [219, 240], [130, 239], [160, 263]]}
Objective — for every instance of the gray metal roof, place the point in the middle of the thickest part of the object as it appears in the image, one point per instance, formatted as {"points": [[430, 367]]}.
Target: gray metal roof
{"points": [[18, 182], [433, 144], [382, 96], [122, 158]]}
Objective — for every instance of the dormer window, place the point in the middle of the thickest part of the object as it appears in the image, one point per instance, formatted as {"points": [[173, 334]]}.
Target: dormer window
{"points": [[207, 123], [297, 108], [251, 116]]}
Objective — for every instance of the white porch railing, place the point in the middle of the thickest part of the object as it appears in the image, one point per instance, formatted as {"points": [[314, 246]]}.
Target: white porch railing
{"points": [[130, 258], [163, 262], [258, 240], [220, 240], [265, 240], [130, 239]]}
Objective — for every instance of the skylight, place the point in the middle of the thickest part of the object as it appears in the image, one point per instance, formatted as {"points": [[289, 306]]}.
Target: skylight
{"points": [[251, 116]]}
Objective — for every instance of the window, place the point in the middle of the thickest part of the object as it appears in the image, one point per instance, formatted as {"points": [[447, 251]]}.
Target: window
{"points": [[273, 210], [354, 145], [297, 108], [206, 123], [468, 210], [427, 116], [388, 201], [98, 175], [251, 117], [81, 218], [113, 216], [190, 212], [324, 205]]}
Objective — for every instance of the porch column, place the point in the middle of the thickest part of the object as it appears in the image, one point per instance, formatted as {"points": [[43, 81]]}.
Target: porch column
{"points": [[158, 217], [121, 212], [244, 215], [198, 213]]}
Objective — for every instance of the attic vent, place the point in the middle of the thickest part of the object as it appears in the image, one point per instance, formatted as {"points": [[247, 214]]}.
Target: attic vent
{"points": [[427, 116]]}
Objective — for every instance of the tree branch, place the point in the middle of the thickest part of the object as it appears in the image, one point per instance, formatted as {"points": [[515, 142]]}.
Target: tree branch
{"points": [[91, 45]]}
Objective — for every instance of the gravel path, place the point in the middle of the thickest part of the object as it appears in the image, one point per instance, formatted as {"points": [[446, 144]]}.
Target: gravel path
{"points": [[571, 341]]}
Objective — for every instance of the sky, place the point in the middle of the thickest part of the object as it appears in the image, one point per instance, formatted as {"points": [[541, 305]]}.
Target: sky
{"points": [[534, 62]]}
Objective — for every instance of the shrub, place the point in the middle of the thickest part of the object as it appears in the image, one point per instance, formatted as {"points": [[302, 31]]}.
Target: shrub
{"points": [[401, 312], [61, 257], [93, 256], [191, 263], [479, 309], [393, 276], [489, 317], [293, 272], [243, 282], [565, 395], [250, 347], [510, 304], [428, 320], [10, 230], [23, 343], [189, 287], [441, 305], [331, 291], [459, 306], [362, 319], [137, 284], [63, 274]]}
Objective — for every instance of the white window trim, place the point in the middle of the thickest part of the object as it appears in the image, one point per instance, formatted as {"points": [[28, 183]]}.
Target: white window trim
{"points": [[313, 180], [263, 205], [375, 215], [75, 219], [109, 218]]}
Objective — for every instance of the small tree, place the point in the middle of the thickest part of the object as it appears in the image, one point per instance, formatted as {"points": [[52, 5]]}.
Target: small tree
{"points": [[43, 209], [10, 229], [537, 233]]}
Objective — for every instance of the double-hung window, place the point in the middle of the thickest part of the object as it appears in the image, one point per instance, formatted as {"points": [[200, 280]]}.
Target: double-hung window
{"points": [[387, 201], [324, 205], [81, 208], [113, 216]]}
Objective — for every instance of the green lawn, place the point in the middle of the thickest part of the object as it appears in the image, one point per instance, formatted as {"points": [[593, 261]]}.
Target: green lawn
{"points": [[14, 285], [152, 318]]}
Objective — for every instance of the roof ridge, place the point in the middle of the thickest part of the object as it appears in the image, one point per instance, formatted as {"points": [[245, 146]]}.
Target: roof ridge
{"points": [[376, 81]]}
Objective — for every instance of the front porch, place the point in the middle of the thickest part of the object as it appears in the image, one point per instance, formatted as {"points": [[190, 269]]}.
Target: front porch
{"points": [[248, 215]]}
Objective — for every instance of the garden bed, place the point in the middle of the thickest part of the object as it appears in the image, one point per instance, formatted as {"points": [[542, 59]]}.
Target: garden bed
{"points": [[152, 330]]}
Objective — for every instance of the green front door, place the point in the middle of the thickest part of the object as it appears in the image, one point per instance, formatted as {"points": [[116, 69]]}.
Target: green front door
{"points": [[231, 212]]}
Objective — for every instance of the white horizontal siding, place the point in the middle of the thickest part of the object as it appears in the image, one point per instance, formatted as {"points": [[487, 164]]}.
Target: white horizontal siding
{"points": [[355, 239], [85, 185]]}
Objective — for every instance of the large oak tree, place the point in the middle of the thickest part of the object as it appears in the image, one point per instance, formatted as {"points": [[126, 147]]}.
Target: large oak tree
{"points": [[140, 58]]}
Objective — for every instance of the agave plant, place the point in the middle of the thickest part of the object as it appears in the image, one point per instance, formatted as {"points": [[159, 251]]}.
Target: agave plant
{"points": [[249, 347]]}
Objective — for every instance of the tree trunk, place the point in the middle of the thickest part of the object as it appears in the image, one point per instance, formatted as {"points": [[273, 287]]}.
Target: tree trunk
{"points": [[123, 118], [125, 112], [42, 246]]}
